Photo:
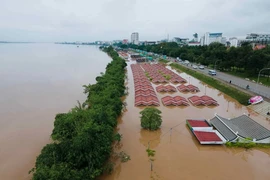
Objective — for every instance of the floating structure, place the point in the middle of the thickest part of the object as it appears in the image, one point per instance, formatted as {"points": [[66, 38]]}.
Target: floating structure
{"points": [[241, 129], [188, 88], [174, 101], [202, 101], [204, 132], [168, 88]]}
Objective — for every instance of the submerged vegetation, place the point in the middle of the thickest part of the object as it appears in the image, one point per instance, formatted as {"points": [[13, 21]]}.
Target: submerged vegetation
{"points": [[150, 152], [83, 137], [151, 118], [247, 143], [240, 96]]}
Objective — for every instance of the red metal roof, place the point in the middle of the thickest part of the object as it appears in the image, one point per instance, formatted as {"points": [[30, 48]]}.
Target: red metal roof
{"points": [[198, 123], [206, 136]]}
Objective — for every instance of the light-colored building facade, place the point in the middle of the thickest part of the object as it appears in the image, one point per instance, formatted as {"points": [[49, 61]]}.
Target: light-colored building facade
{"points": [[180, 41], [135, 38], [194, 44], [258, 37], [233, 42], [209, 38]]}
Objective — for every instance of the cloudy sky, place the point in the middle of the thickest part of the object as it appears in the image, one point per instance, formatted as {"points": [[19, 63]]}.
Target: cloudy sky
{"points": [[90, 20]]}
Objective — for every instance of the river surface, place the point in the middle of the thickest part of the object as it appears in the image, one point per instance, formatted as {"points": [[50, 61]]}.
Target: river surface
{"points": [[178, 154], [37, 81]]}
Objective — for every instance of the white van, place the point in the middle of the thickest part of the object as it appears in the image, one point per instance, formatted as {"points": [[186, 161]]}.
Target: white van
{"points": [[212, 72]]}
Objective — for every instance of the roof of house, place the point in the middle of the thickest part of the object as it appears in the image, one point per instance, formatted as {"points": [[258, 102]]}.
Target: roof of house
{"points": [[198, 123], [243, 126], [206, 136], [223, 129]]}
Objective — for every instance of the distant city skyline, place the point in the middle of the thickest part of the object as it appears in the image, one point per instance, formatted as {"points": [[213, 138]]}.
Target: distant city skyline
{"points": [[87, 21]]}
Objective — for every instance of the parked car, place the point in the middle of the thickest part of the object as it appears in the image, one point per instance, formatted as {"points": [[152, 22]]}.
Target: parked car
{"points": [[212, 72], [194, 67], [201, 67]]}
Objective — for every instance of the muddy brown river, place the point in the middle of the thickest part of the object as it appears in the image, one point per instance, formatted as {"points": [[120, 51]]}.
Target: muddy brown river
{"points": [[178, 154], [37, 81]]}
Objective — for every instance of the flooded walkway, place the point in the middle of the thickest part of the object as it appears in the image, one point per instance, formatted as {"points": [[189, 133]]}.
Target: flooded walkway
{"points": [[178, 153]]}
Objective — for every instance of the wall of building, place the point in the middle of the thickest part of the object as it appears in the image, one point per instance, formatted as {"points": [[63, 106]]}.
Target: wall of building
{"points": [[135, 38]]}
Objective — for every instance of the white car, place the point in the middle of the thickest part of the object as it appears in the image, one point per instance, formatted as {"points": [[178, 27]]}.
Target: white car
{"points": [[201, 67], [195, 67]]}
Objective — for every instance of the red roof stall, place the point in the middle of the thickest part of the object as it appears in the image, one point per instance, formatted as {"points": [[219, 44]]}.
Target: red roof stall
{"points": [[208, 137], [203, 100], [144, 91], [174, 101], [204, 132]]}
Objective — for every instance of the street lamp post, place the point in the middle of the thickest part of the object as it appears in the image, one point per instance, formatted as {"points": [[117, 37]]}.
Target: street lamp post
{"points": [[216, 63], [259, 75]]}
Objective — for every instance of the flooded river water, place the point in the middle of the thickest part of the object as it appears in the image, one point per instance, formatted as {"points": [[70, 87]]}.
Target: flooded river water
{"points": [[178, 153], [37, 81]]}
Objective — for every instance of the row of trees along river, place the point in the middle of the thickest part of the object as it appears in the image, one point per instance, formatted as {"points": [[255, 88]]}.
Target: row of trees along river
{"points": [[240, 60], [82, 138]]}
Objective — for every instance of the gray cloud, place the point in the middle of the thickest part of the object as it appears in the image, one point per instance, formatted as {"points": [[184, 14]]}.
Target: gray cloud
{"points": [[86, 20]]}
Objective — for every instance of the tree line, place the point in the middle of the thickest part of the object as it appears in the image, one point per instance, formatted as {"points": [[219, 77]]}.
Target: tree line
{"points": [[82, 138], [238, 59]]}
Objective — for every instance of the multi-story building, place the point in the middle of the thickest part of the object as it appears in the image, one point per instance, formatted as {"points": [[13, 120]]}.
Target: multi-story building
{"points": [[208, 38], [233, 42], [135, 38], [258, 37], [180, 41]]}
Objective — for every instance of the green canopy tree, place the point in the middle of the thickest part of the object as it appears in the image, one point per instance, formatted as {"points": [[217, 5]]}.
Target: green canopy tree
{"points": [[151, 118]]}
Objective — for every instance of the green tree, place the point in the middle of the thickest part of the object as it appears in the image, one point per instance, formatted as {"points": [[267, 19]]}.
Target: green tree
{"points": [[151, 118]]}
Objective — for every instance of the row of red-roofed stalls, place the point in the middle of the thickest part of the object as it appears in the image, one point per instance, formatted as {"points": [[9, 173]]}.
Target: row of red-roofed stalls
{"points": [[168, 88], [123, 54], [203, 100], [153, 73], [174, 101], [144, 91], [204, 132], [175, 78], [187, 88]]}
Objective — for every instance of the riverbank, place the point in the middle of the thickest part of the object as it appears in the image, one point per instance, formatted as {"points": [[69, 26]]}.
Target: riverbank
{"points": [[46, 80], [83, 137]]}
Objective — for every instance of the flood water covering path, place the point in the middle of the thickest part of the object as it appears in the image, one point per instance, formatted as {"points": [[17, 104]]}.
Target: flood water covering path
{"points": [[178, 153], [37, 81]]}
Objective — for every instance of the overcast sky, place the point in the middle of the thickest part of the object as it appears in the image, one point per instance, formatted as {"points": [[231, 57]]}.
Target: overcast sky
{"points": [[90, 20]]}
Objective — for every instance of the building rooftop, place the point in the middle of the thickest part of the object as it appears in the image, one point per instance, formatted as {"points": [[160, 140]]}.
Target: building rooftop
{"points": [[203, 136], [198, 123], [242, 126]]}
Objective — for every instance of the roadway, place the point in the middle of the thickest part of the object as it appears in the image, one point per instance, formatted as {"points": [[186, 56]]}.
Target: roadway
{"points": [[240, 82]]}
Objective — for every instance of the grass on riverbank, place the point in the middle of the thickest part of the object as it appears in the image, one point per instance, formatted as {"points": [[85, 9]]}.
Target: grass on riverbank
{"points": [[163, 61], [241, 97], [246, 145], [263, 80]]}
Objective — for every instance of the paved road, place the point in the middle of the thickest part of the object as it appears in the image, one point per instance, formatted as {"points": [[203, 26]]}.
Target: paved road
{"points": [[240, 82]]}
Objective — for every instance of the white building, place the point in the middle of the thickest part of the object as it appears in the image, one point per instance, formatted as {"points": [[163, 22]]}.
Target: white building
{"points": [[194, 44], [233, 42], [258, 37], [208, 38], [135, 38]]}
